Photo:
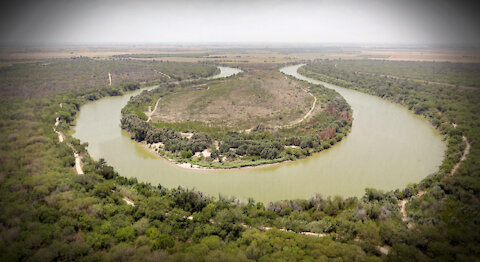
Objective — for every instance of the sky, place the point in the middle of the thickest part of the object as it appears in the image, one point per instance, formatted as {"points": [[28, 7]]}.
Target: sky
{"points": [[429, 22]]}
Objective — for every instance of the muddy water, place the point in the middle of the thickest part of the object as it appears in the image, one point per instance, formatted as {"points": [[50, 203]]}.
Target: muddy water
{"points": [[226, 72], [387, 148]]}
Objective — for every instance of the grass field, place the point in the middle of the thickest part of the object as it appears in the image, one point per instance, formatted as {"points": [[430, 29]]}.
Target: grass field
{"points": [[259, 96], [232, 54]]}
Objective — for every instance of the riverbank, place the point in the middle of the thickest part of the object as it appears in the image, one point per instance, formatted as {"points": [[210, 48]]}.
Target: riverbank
{"points": [[438, 120], [402, 204], [190, 166], [61, 138]]}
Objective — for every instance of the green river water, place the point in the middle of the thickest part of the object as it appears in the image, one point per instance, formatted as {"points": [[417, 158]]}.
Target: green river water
{"points": [[387, 148]]}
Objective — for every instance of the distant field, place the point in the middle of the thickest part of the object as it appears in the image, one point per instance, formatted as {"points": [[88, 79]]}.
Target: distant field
{"points": [[257, 97], [237, 54], [63, 75]]}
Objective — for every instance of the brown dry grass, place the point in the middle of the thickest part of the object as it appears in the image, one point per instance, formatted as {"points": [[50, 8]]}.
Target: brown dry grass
{"points": [[238, 54], [437, 55], [261, 96]]}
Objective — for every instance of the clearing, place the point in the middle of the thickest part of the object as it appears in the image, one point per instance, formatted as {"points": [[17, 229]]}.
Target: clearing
{"points": [[260, 96]]}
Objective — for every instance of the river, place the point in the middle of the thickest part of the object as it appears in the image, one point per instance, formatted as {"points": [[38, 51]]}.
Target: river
{"points": [[387, 148], [226, 72]]}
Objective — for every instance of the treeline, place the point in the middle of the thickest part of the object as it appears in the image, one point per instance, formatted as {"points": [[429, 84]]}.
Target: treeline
{"points": [[451, 204], [142, 131], [239, 148], [467, 74]]}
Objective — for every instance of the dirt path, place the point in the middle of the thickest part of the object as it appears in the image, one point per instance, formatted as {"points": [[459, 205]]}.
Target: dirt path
{"points": [[150, 111], [61, 139], [167, 76], [403, 205], [78, 163], [403, 209], [464, 156], [384, 249], [307, 233], [263, 228], [60, 135], [303, 118], [128, 201], [311, 109]]}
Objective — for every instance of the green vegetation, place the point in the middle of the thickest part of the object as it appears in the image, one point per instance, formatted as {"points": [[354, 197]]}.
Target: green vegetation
{"points": [[447, 215], [49, 213], [441, 105], [233, 147], [467, 74], [65, 216]]}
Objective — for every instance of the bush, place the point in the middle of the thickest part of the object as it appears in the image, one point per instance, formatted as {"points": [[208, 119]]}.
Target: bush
{"points": [[125, 234], [186, 153]]}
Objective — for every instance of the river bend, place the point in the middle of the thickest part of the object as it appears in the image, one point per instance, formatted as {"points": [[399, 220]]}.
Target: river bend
{"points": [[387, 148]]}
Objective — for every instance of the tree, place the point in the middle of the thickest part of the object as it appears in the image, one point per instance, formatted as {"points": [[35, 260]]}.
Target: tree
{"points": [[215, 153], [269, 153], [125, 234], [186, 153], [158, 240], [104, 189]]}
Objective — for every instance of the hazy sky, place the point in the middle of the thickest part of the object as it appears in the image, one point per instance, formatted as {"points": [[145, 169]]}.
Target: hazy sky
{"points": [[321, 21]]}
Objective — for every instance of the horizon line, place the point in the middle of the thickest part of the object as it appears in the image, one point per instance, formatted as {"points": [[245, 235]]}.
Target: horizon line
{"points": [[244, 44]]}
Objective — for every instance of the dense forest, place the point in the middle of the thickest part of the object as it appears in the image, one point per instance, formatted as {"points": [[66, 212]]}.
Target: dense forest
{"points": [[49, 213], [461, 74], [238, 148]]}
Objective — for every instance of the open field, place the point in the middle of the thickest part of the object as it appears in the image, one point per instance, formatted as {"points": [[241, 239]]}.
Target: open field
{"points": [[258, 96], [254, 53]]}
